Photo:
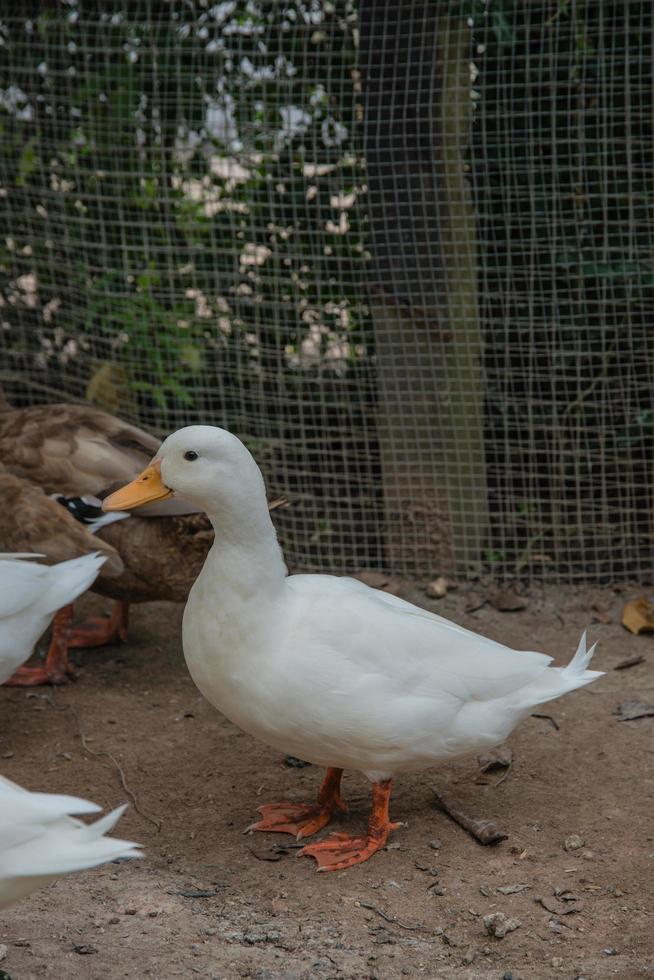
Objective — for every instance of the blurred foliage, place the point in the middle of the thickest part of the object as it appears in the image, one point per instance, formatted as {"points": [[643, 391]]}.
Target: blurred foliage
{"points": [[563, 176], [173, 175], [183, 197]]}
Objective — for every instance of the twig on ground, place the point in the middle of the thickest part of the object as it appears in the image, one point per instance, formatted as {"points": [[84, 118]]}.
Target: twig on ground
{"points": [[121, 775], [503, 777], [555, 724], [631, 662], [484, 831], [391, 918]]}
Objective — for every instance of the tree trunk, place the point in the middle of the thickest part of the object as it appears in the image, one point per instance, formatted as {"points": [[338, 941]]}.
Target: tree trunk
{"points": [[423, 290]]}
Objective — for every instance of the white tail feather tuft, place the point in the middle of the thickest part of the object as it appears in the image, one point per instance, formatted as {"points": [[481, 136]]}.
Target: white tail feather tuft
{"points": [[581, 659]]}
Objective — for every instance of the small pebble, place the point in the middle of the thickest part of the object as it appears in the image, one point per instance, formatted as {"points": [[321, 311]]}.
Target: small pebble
{"points": [[129, 912], [588, 855], [573, 843], [85, 949], [610, 951], [3, 952], [557, 961], [434, 844], [498, 924], [438, 588], [114, 921]]}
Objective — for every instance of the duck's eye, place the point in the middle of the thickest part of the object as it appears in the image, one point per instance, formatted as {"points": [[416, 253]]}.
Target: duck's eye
{"points": [[190, 455]]}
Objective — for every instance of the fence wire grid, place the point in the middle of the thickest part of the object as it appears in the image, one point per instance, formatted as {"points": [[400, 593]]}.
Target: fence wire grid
{"points": [[406, 251]]}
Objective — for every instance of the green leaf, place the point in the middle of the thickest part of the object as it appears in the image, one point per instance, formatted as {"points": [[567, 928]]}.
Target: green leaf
{"points": [[501, 27], [27, 163]]}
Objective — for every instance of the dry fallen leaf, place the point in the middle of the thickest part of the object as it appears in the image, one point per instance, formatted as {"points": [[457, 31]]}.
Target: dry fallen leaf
{"points": [[638, 615], [506, 600], [499, 758], [557, 907], [513, 889], [630, 710]]}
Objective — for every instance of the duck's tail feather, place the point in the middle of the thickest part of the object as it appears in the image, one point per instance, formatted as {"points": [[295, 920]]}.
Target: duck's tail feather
{"points": [[556, 681], [576, 673], [70, 578]]}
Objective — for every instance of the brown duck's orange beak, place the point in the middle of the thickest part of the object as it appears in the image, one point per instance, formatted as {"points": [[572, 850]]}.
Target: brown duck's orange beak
{"points": [[143, 490]]}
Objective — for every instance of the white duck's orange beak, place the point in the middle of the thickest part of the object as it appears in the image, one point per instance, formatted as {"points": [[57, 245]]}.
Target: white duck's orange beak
{"points": [[143, 490]]}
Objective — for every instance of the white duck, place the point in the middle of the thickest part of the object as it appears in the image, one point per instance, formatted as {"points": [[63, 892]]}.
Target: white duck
{"points": [[30, 595], [39, 840], [325, 668]]}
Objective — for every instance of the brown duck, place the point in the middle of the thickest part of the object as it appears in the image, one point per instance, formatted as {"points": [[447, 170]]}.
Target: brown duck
{"points": [[77, 451]]}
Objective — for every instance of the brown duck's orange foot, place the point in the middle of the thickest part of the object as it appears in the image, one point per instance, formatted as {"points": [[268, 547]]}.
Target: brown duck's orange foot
{"points": [[101, 630], [340, 851], [304, 819], [56, 668], [35, 676]]}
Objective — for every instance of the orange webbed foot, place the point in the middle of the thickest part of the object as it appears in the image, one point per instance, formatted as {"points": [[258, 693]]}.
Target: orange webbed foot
{"points": [[299, 819], [35, 676], [303, 819], [57, 667], [340, 851], [102, 631]]}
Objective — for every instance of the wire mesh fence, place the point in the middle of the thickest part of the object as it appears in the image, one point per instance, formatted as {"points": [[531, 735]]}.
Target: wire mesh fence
{"points": [[404, 250]]}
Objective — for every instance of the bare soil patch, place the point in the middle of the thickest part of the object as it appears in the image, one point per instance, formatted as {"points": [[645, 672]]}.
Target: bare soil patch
{"points": [[208, 901]]}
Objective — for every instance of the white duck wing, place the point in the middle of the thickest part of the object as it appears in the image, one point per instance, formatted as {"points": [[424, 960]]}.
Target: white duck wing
{"points": [[30, 594], [39, 840], [21, 584], [67, 845], [410, 647], [23, 814], [44, 588]]}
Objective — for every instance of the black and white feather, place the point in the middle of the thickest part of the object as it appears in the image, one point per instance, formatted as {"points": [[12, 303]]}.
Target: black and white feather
{"points": [[88, 511]]}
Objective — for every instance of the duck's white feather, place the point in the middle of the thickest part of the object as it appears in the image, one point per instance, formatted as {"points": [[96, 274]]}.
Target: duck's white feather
{"points": [[326, 668], [40, 840], [30, 594], [341, 675]]}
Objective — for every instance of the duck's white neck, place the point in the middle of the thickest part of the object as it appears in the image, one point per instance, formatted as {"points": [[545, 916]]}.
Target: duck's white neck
{"points": [[246, 558]]}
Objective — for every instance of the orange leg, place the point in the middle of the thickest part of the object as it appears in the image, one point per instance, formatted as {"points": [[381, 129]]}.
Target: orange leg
{"points": [[102, 631], [304, 819], [341, 851], [56, 665]]}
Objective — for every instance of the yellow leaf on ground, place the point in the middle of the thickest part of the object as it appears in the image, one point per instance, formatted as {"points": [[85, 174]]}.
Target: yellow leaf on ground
{"points": [[638, 615]]}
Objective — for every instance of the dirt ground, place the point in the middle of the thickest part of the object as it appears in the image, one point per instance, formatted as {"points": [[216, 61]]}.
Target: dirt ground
{"points": [[208, 901]]}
